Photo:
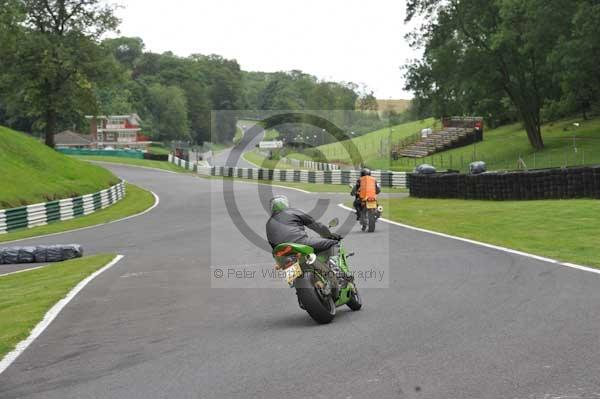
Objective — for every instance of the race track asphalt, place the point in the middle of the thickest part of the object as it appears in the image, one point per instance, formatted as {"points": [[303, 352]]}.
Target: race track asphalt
{"points": [[233, 156], [455, 320]]}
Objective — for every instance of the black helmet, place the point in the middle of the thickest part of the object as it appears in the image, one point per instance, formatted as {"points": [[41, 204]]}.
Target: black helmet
{"points": [[365, 172]]}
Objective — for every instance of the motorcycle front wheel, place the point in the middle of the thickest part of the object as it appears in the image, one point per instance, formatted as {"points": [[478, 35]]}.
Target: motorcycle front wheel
{"points": [[355, 302], [320, 307]]}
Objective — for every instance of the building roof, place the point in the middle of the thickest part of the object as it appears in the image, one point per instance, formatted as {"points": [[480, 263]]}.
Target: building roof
{"points": [[131, 118], [71, 138]]}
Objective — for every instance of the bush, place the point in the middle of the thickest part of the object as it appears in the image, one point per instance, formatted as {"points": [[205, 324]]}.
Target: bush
{"points": [[156, 157]]}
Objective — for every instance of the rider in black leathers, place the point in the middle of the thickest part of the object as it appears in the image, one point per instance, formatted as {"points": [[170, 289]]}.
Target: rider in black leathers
{"points": [[288, 225]]}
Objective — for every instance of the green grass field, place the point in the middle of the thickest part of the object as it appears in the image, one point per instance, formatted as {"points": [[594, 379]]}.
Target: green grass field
{"points": [[164, 165], [561, 229], [136, 201], [374, 145], [33, 173], [257, 159], [271, 134], [26, 297], [501, 148]]}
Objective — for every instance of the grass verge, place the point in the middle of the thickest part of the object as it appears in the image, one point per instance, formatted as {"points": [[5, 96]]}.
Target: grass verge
{"points": [[560, 229], [257, 159], [136, 201], [159, 149], [26, 297], [31, 172], [164, 165]]}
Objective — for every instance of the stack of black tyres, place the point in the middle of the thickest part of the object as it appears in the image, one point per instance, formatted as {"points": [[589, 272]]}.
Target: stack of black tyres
{"points": [[556, 183]]}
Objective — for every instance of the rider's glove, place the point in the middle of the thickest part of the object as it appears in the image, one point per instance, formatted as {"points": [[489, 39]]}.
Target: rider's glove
{"points": [[335, 236]]}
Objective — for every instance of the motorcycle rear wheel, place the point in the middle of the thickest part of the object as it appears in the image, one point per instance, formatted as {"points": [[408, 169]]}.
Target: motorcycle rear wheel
{"points": [[363, 220], [372, 220], [321, 308]]}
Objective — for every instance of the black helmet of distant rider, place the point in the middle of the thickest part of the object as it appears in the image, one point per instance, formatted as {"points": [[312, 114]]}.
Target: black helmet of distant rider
{"points": [[363, 172]]}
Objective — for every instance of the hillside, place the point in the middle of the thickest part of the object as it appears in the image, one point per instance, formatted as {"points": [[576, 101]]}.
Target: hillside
{"points": [[502, 147], [32, 172], [373, 145], [397, 106]]}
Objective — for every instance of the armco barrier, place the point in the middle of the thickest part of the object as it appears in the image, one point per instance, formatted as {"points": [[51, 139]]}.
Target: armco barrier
{"points": [[387, 179], [44, 213], [310, 164], [183, 163], [556, 183]]}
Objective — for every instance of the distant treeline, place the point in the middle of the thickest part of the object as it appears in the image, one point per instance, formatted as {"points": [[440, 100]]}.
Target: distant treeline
{"points": [[55, 69], [526, 60]]}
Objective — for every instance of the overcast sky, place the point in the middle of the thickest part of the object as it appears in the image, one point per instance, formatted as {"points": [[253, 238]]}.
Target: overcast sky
{"points": [[342, 40]]}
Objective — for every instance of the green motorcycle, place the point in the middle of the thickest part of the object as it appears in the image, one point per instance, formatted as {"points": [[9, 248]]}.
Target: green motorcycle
{"points": [[322, 283]]}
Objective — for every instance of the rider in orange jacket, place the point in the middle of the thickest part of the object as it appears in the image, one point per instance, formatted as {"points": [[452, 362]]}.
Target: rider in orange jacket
{"points": [[365, 187]]}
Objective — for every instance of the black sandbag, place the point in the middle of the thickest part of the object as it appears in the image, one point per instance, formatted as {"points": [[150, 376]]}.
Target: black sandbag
{"points": [[71, 251], [53, 253], [10, 256], [25, 255], [41, 253]]}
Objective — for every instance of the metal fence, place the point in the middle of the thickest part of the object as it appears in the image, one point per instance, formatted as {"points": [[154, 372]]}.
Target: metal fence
{"points": [[107, 153], [566, 157]]}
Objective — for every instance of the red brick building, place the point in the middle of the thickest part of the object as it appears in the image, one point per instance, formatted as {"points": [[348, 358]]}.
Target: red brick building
{"points": [[117, 131]]}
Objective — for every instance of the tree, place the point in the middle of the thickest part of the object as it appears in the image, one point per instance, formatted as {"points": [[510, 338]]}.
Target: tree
{"points": [[498, 45], [368, 102], [58, 62], [577, 58], [127, 50], [167, 108]]}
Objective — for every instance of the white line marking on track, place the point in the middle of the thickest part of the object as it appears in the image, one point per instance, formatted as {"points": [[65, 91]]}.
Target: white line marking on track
{"points": [[483, 244], [156, 202], [266, 184], [51, 315], [135, 166], [23, 270]]}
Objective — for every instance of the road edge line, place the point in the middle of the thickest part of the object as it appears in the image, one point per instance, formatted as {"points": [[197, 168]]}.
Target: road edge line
{"points": [[51, 315], [22, 270], [156, 202], [134, 166], [483, 244], [262, 184]]}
